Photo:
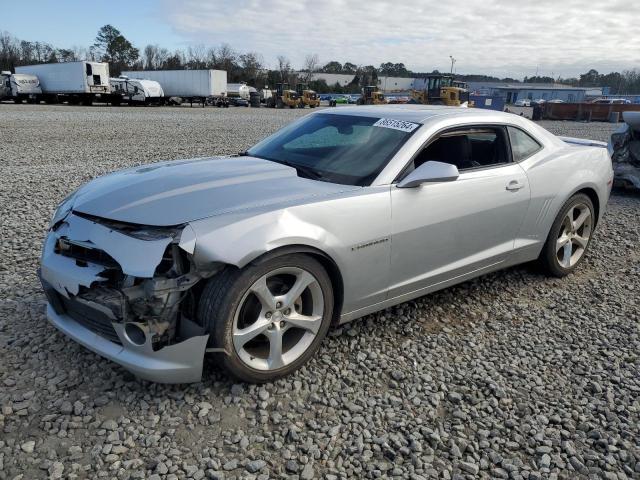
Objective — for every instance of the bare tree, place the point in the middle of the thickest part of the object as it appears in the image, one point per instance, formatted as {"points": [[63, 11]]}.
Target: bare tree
{"points": [[225, 58], [196, 57], [284, 67], [251, 64], [150, 55], [162, 55], [311, 63]]}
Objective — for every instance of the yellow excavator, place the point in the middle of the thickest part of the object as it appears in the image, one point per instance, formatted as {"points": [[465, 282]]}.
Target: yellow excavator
{"points": [[282, 97], [306, 97], [371, 96], [442, 89]]}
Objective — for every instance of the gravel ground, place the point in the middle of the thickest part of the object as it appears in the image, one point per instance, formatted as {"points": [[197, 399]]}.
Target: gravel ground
{"points": [[513, 375]]}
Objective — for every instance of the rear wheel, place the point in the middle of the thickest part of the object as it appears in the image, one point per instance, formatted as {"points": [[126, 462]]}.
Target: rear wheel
{"points": [[270, 317], [569, 237]]}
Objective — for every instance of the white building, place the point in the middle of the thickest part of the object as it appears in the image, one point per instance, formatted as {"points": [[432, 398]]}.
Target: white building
{"points": [[395, 84], [332, 78]]}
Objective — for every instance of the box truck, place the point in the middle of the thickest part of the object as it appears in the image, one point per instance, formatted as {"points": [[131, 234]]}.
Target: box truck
{"points": [[75, 82], [19, 87], [135, 92], [208, 87]]}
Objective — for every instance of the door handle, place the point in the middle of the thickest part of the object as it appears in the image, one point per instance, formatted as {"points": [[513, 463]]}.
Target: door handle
{"points": [[514, 186]]}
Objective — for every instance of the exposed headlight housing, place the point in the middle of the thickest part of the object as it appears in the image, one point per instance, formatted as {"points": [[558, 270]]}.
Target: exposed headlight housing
{"points": [[63, 210]]}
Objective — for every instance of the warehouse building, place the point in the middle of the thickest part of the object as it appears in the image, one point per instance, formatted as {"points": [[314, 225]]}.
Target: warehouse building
{"points": [[534, 91]]}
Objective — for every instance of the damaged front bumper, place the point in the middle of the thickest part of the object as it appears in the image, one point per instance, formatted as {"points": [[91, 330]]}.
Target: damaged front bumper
{"points": [[126, 294], [181, 363]]}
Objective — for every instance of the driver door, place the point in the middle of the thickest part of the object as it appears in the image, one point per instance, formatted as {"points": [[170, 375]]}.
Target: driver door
{"points": [[444, 232]]}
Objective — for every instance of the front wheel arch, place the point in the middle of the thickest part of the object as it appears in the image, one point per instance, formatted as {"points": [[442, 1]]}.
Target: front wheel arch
{"points": [[337, 283]]}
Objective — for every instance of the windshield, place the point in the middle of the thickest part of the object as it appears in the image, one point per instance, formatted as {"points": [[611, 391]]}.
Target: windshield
{"points": [[350, 150]]}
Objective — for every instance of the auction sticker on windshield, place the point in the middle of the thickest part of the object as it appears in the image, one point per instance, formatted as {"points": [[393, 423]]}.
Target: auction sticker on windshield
{"points": [[396, 124]]}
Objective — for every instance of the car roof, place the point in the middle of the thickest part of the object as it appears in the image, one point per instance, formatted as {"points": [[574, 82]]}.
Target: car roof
{"points": [[411, 113]]}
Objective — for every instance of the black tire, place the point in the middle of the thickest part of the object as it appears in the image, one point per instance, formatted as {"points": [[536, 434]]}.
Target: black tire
{"points": [[279, 103], [548, 259], [221, 299], [17, 100]]}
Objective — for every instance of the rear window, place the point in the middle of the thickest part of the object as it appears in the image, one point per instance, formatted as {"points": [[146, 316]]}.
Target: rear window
{"points": [[523, 145]]}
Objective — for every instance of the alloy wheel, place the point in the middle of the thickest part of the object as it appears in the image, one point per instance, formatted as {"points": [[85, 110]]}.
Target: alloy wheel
{"points": [[574, 235], [278, 318]]}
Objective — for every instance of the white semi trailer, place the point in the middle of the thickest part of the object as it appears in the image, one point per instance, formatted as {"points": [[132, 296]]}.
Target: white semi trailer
{"points": [[19, 87], [76, 82], [208, 87]]}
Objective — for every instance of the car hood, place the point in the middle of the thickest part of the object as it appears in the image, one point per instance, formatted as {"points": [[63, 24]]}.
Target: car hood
{"points": [[177, 192]]}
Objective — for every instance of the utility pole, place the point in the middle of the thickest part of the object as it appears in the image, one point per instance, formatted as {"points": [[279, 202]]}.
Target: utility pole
{"points": [[453, 61]]}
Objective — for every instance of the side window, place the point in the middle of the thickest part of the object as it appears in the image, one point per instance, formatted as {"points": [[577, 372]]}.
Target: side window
{"points": [[88, 69], [522, 144], [468, 148]]}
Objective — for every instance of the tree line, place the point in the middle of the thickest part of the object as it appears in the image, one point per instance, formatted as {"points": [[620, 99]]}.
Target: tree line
{"points": [[110, 45]]}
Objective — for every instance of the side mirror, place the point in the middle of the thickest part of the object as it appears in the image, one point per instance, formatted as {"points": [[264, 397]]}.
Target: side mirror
{"points": [[429, 172]]}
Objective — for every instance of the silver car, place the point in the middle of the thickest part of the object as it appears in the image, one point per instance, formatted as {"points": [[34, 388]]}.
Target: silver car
{"points": [[342, 213]]}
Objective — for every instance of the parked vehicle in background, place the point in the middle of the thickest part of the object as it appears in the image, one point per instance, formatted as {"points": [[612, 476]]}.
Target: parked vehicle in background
{"points": [[135, 91], [307, 97], [238, 90], [19, 87], [238, 102], [523, 102], [555, 100], [371, 95], [342, 99], [206, 87], [74, 82], [612, 101], [282, 97], [442, 89], [538, 101], [341, 214]]}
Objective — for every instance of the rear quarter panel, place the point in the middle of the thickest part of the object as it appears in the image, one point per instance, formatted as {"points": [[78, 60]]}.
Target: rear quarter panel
{"points": [[554, 176]]}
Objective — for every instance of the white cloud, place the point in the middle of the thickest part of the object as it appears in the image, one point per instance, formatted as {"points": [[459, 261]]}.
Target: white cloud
{"points": [[500, 37]]}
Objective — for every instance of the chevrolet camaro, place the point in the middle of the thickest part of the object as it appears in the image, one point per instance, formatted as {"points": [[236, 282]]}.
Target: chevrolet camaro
{"points": [[344, 212]]}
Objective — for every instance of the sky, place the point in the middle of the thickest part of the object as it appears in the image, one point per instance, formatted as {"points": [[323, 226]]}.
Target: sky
{"points": [[512, 38]]}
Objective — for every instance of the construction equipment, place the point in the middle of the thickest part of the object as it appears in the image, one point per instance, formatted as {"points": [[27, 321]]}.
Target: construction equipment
{"points": [[371, 96], [307, 97], [441, 89], [282, 97]]}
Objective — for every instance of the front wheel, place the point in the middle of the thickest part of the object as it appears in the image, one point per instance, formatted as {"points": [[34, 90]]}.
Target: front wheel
{"points": [[569, 237], [270, 317]]}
